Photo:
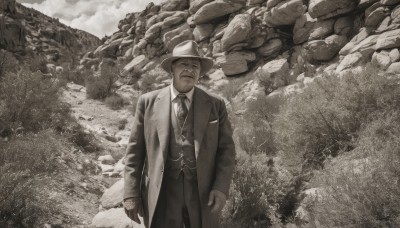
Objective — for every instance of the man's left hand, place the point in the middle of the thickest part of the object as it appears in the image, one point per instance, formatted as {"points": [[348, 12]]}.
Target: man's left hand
{"points": [[216, 201]]}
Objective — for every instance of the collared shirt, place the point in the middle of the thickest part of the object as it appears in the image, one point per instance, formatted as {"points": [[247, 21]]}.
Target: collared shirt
{"points": [[174, 99]]}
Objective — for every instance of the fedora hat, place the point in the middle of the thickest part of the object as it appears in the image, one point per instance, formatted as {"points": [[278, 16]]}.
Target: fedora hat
{"points": [[187, 49]]}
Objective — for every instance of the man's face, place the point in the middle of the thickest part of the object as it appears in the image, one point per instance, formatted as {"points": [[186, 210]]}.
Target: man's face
{"points": [[186, 73]]}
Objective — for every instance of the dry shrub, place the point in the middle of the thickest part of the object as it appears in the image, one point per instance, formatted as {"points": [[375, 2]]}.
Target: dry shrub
{"points": [[102, 86], [30, 101], [325, 119], [152, 79], [114, 102], [361, 188], [26, 161], [233, 87]]}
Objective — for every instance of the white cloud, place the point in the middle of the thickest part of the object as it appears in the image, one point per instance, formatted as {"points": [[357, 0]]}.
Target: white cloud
{"points": [[99, 17]]}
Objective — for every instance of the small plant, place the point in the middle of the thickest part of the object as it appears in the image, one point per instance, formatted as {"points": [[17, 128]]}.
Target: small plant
{"points": [[122, 124], [151, 80], [115, 102], [233, 87], [102, 86]]}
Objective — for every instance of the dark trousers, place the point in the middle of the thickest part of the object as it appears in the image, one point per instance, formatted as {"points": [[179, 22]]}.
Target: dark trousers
{"points": [[178, 205]]}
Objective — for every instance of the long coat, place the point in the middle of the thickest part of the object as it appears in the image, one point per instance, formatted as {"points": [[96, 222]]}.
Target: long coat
{"points": [[148, 148]]}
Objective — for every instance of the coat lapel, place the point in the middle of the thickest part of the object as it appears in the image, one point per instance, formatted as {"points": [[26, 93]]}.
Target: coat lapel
{"points": [[162, 111], [202, 109]]}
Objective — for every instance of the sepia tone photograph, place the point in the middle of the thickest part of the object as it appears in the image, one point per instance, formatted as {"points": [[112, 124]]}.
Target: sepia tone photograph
{"points": [[199, 113]]}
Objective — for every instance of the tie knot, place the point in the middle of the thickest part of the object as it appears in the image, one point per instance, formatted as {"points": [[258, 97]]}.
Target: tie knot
{"points": [[182, 96]]}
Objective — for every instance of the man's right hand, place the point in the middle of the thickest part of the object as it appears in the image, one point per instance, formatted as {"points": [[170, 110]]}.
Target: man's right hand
{"points": [[133, 207]]}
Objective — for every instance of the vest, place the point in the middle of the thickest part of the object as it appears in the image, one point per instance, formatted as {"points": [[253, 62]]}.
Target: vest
{"points": [[181, 154]]}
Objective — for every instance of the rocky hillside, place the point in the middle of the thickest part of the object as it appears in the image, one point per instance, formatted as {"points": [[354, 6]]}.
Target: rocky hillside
{"points": [[282, 39], [27, 32]]}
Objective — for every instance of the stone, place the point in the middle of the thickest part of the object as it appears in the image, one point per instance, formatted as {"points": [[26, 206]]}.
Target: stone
{"points": [[272, 3], [113, 196], [343, 25], [195, 5], [390, 2], [153, 32], [176, 36], [214, 10], [237, 31], [284, 13], [254, 2], [382, 59], [394, 68], [202, 32], [120, 166], [325, 50], [394, 55], [395, 15], [106, 168], [384, 26], [329, 8], [366, 3], [270, 48], [362, 35], [174, 5], [388, 40], [176, 19], [306, 28], [376, 16], [367, 46], [114, 218], [349, 61], [137, 63], [277, 71], [235, 63]]}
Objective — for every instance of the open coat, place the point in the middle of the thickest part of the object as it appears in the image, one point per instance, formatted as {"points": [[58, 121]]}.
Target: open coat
{"points": [[148, 148]]}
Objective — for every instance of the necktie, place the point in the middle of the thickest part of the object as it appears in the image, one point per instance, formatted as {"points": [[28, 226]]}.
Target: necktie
{"points": [[182, 110]]}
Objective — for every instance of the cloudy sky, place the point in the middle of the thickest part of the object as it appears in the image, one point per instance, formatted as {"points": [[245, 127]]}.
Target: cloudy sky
{"points": [[99, 17]]}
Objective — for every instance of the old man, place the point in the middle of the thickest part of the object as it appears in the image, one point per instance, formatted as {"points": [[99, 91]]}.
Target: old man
{"points": [[180, 156]]}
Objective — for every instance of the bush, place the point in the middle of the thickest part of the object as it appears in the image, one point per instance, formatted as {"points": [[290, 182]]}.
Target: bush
{"points": [[8, 63], [361, 188], [233, 87], [102, 86], [114, 102], [25, 163], [152, 80], [325, 119], [30, 101], [257, 190]]}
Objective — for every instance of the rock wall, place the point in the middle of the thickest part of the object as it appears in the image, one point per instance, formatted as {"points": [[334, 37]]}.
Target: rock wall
{"points": [[27, 31], [243, 35]]}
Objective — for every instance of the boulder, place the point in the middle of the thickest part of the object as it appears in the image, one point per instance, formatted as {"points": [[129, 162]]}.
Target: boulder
{"points": [[357, 39], [176, 36], [390, 2], [329, 8], [366, 3], [202, 32], [395, 15], [153, 32], [394, 68], [176, 19], [195, 5], [137, 63], [120, 166], [114, 218], [389, 39], [106, 160], [237, 31], [272, 3], [376, 16], [284, 13], [254, 2], [349, 61], [385, 58], [214, 10], [277, 71], [306, 28], [270, 48], [343, 25], [325, 50], [235, 63], [367, 46], [113, 196], [174, 5]]}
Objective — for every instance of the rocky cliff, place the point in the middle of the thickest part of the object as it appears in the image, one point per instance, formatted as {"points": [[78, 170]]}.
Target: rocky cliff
{"points": [[26, 31], [280, 38]]}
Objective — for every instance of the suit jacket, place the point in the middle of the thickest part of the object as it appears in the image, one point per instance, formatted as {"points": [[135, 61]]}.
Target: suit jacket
{"points": [[148, 148]]}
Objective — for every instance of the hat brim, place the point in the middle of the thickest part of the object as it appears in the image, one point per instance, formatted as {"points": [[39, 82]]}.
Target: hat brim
{"points": [[206, 63]]}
